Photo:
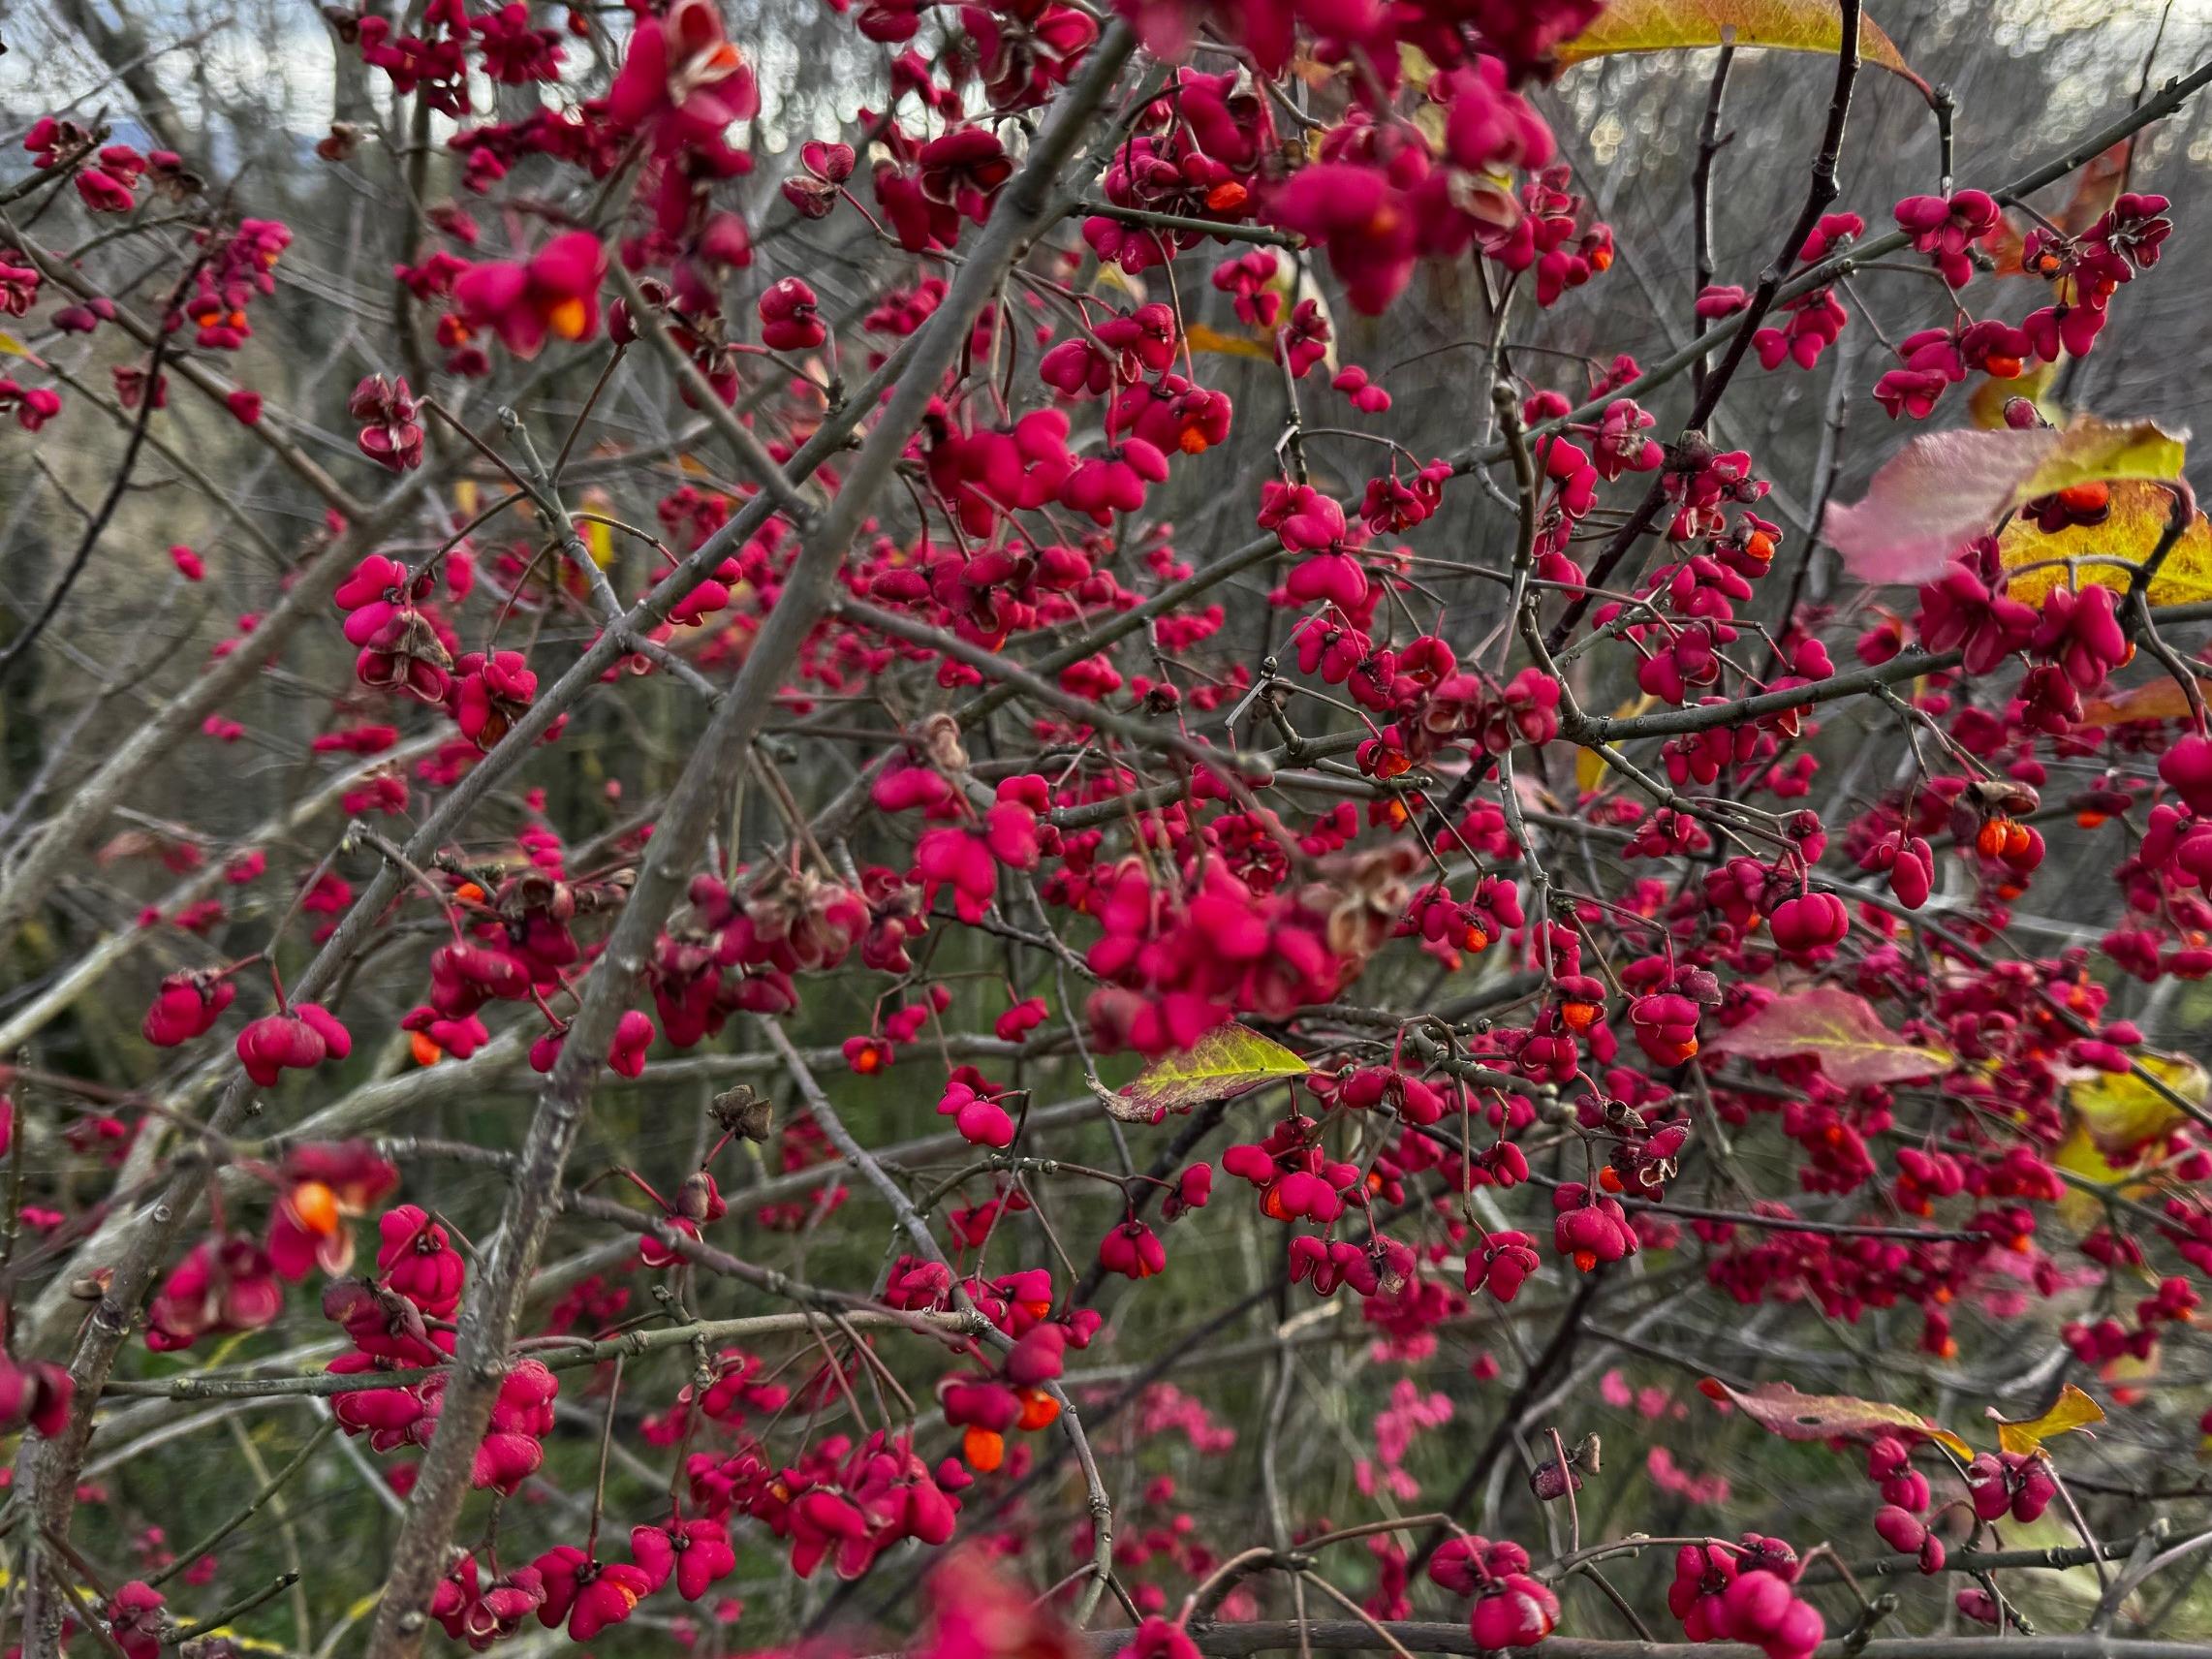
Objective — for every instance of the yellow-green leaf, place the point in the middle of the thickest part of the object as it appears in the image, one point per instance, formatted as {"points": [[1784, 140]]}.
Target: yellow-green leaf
{"points": [[2120, 1122], [2106, 553], [2091, 450], [2123, 1113], [1226, 1061], [1780, 25], [2075, 1410], [10, 346], [1838, 1028], [1782, 1410]]}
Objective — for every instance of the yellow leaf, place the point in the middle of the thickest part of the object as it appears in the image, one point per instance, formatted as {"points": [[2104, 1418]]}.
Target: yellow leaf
{"points": [[2103, 553], [1111, 275], [466, 498], [1201, 338], [598, 537], [2079, 1156], [2122, 1113], [1226, 1061], [2073, 1410], [1783, 25], [10, 346], [1589, 764]]}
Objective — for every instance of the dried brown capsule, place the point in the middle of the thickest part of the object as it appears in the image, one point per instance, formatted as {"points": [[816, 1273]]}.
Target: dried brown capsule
{"points": [[740, 1110]]}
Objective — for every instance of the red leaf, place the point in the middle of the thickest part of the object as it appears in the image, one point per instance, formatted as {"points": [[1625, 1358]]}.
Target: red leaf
{"points": [[1839, 1029], [1782, 1410]]}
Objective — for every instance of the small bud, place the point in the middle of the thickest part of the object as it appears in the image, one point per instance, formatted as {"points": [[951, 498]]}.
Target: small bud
{"points": [[342, 141], [2007, 795], [1550, 1482], [941, 743], [343, 1298], [1693, 453], [694, 1197], [1702, 986]]}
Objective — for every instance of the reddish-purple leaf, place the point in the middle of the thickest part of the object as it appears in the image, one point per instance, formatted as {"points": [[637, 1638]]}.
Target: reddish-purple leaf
{"points": [[1931, 498], [1782, 1410], [1838, 1028]]}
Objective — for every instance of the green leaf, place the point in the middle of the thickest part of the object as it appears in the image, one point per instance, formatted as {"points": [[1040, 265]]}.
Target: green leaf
{"points": [[1226, 1061]]}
